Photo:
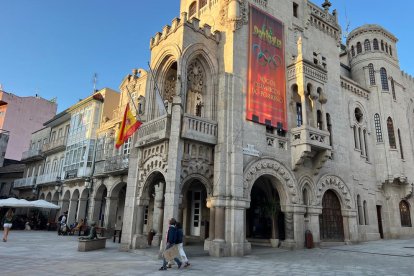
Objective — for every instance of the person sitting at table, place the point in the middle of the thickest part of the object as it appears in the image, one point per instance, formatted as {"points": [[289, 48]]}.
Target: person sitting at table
{"points": [[78, 227]]}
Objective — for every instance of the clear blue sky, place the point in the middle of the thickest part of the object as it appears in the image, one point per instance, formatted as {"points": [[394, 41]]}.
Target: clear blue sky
{"points": [[53, 47]]}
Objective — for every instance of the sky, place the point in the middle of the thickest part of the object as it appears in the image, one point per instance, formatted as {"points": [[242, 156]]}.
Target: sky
{"points": [[53, 48]]}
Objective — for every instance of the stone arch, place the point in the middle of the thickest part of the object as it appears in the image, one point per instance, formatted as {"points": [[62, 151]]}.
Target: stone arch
{"points": [[42, 196], [185, 181], [155, 175], [352, 106], [267, 166], [307, 182], [116, 188], [49, 196], [153, 164], [336, 184], [84, 194]]}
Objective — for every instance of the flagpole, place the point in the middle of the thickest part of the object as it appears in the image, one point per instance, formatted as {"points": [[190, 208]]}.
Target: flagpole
{"points": [[155, 84], [133, 103]]}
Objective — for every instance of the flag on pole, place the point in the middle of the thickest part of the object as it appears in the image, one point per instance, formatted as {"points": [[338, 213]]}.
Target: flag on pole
{"points": [[128, 126]]}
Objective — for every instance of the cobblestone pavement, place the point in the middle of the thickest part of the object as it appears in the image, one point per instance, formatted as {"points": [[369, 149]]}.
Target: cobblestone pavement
{"points": [[45, 253]]}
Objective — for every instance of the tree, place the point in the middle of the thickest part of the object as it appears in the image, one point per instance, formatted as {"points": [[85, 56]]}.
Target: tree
{"points": [[271, 208]]}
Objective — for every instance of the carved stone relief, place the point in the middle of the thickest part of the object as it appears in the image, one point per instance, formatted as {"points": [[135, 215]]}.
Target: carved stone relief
{"points": [[334, 183]]}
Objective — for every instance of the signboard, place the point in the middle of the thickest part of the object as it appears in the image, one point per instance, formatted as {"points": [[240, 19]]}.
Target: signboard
{"points": [[266, 88]]}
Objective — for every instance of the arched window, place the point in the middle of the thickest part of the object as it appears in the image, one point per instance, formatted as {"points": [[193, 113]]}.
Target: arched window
{"points": [[329, 125], [371, 72], [360, 212], [202, 3], [352, 51], [390, 50], [319, 119], [382, 45], [401, 147], [391, 134], [356, 137], [366, 144], [359, 48], [378, 131], [393, 89], [192, 9], [375, 44], [366, 212], [386, 47], [361, 145], [367, 45], [384, 79], [405, 214]]}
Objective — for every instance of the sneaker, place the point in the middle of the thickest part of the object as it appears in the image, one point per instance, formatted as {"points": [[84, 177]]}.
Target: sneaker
{"points": [[163, 268], [179, 265], [187, 264]]}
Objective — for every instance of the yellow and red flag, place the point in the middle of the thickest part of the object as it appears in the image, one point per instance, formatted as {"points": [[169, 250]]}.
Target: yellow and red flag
{"points": [[128, 126]]}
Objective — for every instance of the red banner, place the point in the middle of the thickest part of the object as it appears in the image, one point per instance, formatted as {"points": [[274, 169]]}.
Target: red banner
{"points": [[266, 88]]}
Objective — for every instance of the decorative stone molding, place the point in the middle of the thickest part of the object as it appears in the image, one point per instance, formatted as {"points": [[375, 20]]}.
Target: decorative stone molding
{"points": [[273, 168], [198, 169], [355, 88], [153, 159], [239, 20], [335, 183], [309, 70], [324, 21]]}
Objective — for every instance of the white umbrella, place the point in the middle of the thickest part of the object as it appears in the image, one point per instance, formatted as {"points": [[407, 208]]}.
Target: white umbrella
{"points": [[43, 204], [14, 202]]}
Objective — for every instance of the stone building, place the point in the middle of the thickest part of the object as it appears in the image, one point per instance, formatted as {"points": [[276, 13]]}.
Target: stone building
{"points": [[334, 157]]}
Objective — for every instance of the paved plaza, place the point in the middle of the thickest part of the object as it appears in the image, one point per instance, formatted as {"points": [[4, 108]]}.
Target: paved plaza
{"points": [[45, 253]]}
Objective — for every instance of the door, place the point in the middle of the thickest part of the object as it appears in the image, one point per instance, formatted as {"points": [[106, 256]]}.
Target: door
{"points": [[331, 221], [379, 216], [195, 212]]}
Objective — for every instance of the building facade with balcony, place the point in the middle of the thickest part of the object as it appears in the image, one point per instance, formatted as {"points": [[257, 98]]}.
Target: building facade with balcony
{"points": [[49, 183], [86, 116], [34, 159], [338, 166]]}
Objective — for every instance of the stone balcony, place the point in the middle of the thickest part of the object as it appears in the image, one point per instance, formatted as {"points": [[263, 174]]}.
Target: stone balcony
{"points": [[154, 131], [199, 129], [51, 179], [55, 146], [310, 143], [116, 165], [32, 155], [24, 183]]}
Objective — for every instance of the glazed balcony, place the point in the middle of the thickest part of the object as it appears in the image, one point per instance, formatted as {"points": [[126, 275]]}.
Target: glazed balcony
{"points": [[73, 175], [154, 131], [116, 164], [32, 155], [55, 146], [199, 129], [24, 183], [311, 143], [51, 179]]}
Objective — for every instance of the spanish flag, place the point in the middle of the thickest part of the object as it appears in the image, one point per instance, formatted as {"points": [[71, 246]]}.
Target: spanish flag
{"points": [[128, 126]]}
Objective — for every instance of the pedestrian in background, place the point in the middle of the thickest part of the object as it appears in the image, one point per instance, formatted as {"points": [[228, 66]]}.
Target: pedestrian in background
{"points": [[180, 236], [171, 241], [7, 224]]}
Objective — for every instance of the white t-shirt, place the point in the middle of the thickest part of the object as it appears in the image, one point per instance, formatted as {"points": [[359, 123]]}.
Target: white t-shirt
{"points": [[63, 220]]}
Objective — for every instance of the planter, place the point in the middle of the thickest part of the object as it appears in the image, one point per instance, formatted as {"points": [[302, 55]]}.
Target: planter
{"points": [[274, 242]]}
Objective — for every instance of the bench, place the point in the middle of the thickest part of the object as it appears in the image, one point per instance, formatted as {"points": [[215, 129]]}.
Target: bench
{"points": [[89, 245], [83, 229]]}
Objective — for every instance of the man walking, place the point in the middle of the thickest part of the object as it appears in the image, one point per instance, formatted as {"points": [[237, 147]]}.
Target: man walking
{"points": [[171, 241]]}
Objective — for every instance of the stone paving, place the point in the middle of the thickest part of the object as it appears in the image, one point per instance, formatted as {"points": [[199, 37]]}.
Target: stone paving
{"points": [[45, 253]]}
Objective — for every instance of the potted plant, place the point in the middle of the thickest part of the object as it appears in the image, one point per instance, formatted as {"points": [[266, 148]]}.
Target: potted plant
{"points": [[271, 208]]}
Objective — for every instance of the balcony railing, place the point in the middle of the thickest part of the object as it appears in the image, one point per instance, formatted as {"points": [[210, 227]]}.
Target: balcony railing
{"points": [[58, 143], [49, 178], [154, 131], [81, 172], [199, 129], [314, 137], [32, 154], [116, 163], [27, 182]]}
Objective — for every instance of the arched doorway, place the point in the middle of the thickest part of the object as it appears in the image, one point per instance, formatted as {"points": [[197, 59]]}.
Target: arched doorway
{"points": [[115, 206], [264, 219], [194, 214], [73, 207], [65, 201], [331, 220], [49, 197]]}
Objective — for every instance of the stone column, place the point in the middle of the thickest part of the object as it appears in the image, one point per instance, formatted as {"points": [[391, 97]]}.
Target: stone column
{"points": [[157, 217], [96, 207], [299, 226], [313, 223], [110, 212], [350, 225], [82, 208], [72, 211], [211, 229], [289, 241], [314, 98], [140, 240]]}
